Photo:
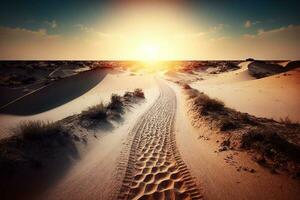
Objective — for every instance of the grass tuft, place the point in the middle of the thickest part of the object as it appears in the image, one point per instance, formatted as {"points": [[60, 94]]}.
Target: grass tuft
{"points": [[38, 130], [116, 103], [207, 104], [139, 93], [98, 112]]}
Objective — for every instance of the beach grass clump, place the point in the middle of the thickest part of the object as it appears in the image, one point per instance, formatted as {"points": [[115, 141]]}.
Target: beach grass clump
{"points": [[138, 92], [208, 104], [38, 130], [269, 141], [97, 112], [113, 109], [33, 143], [116, 103]]}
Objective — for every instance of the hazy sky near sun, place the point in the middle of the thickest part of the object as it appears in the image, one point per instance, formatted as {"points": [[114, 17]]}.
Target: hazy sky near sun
{"points": [[120, 29]]}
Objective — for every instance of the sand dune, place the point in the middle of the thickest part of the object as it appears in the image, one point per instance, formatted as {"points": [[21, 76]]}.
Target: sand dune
{"points": [[155, 153], [277, 96], [101, 91], [215, 172], [56, 94]]}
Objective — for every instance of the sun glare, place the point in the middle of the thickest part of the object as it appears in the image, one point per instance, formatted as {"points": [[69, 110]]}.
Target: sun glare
{"points": [[136, 34], [148, 52]]}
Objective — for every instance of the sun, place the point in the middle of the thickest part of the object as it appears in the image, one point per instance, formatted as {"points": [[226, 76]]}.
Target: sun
{"points": [[149, 52]]}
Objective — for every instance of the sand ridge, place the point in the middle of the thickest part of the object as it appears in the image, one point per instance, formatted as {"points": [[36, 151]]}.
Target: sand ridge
{"points": [[155, 169]]}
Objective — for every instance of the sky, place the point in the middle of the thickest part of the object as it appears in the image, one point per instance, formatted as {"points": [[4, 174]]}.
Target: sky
{"points": [[149, 30]]}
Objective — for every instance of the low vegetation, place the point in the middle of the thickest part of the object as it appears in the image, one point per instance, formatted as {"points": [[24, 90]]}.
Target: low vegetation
{"points": [[35, 143], [273, 144], [96, 112], [112, 111]]}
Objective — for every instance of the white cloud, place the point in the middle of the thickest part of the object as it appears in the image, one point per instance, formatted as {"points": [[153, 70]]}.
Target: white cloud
{"points": [[52, 24]]}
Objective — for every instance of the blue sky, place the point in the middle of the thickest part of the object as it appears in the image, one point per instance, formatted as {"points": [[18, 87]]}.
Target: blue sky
{"points": [[230, 19]]}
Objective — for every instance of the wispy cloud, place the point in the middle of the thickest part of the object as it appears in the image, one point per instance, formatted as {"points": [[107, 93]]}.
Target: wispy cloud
{"points": [[290, 30], [92, 30], [211, 30], [250, 23], [218, 27], [52, 24], [85, 28]]}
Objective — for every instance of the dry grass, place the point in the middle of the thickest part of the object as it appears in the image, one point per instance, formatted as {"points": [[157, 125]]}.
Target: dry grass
{"points": [[276, 142], [98, 112], [116, 103], [112, 111], [207, 104], [34, 143], [139, 93], [38, 130]]}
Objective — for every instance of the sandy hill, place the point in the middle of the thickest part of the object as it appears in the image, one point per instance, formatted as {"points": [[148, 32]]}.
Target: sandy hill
{"points": [[276, 96]]}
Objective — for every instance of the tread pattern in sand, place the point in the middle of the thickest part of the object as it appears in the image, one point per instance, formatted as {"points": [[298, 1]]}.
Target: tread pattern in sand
{"points": [[155, 169]]}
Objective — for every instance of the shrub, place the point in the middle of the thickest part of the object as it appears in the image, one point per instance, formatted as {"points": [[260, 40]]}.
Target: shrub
{"points": [[139, 93], [34, 144], [116, 103], [38, 130], [227, 125], [186, 86], [207, 104], [128, 95], [270, 142], [98, 111]]}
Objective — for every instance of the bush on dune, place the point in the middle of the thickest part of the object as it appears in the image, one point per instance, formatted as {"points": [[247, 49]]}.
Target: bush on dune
{"points": [[33, 143], [116, 103], [271, 143], [207, 104], [38, 130], [139, 93], [98, 112], [113, 109], [203, 102]]}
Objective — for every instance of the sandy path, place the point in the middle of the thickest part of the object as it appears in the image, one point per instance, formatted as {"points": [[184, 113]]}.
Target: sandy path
{"points": [[155, 169]]}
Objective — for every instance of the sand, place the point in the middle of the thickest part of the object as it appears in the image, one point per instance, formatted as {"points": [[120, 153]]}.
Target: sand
{"points": [[215, 172], [155, 152], [155, 169], [276, 96], [60, 101], [95, 175]]}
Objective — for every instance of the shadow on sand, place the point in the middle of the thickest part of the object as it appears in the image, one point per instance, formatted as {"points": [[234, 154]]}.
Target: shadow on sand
{"points": [[31, 164], [56, 94]]}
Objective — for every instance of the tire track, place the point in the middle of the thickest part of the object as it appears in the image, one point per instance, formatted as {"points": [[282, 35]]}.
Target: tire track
{"points": [[155, 169]]}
